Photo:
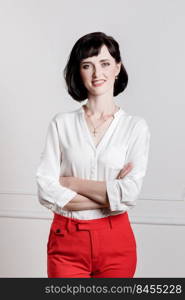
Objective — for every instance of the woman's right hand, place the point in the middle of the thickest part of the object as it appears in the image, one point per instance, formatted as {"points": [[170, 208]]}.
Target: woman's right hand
{"points": [[126, 169]]}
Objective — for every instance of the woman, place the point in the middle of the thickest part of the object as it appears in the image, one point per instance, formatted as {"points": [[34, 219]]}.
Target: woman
{"points": [[92, 168]]}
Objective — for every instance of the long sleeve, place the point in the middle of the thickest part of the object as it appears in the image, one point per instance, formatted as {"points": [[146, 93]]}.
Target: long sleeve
{"points": [[123, 193], [50, 192]]}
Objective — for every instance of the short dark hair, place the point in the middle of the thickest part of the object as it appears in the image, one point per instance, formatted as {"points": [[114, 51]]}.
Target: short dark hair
{"points": [[87, 46]]}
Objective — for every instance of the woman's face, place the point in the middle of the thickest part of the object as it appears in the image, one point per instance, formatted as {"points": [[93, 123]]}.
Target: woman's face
{"points": [[98, 72]]}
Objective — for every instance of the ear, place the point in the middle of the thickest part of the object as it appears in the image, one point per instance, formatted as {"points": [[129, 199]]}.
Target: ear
{"points": [[118, 67]]}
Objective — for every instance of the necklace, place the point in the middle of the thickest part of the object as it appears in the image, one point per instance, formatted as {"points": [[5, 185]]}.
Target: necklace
{"points": [[105, 118]]}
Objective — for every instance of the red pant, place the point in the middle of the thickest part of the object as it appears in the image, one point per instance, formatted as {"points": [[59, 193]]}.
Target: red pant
{"points": [[101, 248]]}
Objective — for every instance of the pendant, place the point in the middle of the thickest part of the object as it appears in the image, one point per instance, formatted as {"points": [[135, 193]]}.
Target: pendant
{"points": [[94, 132]]}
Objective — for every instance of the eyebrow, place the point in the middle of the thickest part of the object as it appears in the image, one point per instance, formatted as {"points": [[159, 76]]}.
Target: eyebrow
{"points": [[101, 60]]}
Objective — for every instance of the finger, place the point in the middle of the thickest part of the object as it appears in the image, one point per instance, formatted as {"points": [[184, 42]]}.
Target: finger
{"points": [[125, 170], [123, 174], [129, 164]]}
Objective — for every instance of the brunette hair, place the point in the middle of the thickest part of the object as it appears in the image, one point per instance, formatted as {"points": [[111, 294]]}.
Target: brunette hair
{"points": [[87, 46]]}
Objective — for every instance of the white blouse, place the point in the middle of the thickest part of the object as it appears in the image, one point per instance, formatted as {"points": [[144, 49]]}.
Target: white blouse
{"points": [[69, 150]]}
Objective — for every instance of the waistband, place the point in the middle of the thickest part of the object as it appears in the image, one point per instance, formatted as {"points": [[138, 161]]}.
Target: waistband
{"points": [[62, 223]]}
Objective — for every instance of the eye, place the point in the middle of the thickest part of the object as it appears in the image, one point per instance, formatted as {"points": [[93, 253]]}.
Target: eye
{"points": [[106, 64], [85, 66]]}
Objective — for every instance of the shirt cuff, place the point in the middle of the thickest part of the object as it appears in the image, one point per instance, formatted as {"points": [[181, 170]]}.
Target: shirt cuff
{"points": [[55, 198], [66, 197], [114, 194]]}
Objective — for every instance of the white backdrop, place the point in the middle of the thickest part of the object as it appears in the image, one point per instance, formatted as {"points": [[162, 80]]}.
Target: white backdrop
{"points": [[36, 39]]}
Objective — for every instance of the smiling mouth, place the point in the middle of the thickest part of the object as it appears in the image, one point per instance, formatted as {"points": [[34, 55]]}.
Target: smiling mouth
{"points": [[98, 82]]}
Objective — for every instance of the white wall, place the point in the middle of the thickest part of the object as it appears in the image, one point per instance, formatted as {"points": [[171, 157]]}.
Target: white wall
{"points": [[36, 38]]}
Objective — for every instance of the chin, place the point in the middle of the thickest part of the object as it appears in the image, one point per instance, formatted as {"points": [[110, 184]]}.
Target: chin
{"points": [[99, 91]]}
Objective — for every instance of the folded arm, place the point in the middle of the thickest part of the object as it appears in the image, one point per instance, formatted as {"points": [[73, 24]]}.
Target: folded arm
{"points": [[81, 194], [89, 188], [120, 193], [51, 193], [80, 202]]}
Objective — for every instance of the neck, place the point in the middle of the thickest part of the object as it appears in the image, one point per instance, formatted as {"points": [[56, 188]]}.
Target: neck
{"points": [[100, 105]]}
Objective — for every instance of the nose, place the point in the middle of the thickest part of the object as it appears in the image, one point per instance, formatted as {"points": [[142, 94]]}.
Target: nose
{"points": [[96, 72]]}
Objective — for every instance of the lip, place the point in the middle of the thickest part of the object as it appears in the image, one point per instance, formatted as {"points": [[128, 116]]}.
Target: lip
{"points": [[98, 82]]}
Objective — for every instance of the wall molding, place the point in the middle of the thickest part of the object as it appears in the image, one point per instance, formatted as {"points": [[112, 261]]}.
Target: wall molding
{"points": [[135, 219], [150, 198]]}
